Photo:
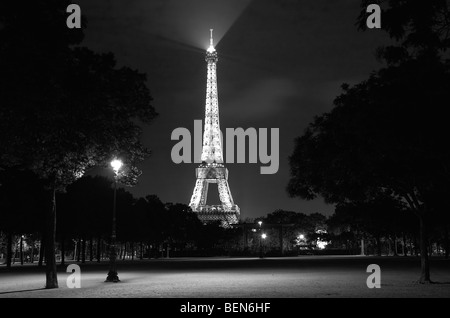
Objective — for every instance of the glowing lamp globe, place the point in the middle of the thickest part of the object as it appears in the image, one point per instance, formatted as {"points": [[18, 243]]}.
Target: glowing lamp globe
{"points": [[264, 235], [116, 164]]}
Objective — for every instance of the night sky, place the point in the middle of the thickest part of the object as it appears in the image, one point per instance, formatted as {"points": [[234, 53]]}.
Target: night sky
{"points": [[280, 64]]}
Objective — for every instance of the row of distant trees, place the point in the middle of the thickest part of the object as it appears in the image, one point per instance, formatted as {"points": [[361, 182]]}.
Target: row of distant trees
{"points": [[379, 227], [149, 228], [383, 226], [145, 226]]}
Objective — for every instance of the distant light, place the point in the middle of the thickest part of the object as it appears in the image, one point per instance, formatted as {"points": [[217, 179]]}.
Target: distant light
{"points": [[264, 235], [301, 236], [260, 223], [116, 164], [321, 244], [253, 230]]}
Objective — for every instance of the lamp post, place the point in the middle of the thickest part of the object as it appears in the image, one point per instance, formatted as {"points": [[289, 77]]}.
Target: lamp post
{"points": [[262, 237], [301, 241], [116, 164], [260, 242]]}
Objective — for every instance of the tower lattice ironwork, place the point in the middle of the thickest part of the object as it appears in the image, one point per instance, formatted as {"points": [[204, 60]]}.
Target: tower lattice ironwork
{"points": [[212, 169]]}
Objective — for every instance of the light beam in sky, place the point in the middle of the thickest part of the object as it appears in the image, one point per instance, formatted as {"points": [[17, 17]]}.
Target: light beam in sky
{"points": [[191, 20]]}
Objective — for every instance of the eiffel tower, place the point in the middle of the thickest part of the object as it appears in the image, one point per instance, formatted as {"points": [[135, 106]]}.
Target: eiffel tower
{"points": [[212, 169]]}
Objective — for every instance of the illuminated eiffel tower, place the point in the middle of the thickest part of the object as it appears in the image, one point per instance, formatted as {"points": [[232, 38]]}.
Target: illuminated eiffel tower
{"points": [[212, 169]]}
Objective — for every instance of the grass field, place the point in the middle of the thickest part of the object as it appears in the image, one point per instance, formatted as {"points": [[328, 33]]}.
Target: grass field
{"points": [[293, 277]]}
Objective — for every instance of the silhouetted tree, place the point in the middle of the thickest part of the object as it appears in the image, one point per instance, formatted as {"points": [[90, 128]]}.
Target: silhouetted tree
{"points": [[85, 209], [295, 224], [376, 218], [387, 134], [22, 205], [421, 28], [181, 224], [63, 109]]}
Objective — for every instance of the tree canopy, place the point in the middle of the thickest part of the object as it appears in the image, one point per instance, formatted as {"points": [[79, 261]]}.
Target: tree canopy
{"points": [[64, 108], [387, 135]]}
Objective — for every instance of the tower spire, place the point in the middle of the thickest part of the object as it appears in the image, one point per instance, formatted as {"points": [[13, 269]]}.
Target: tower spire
{"points": [[211, 48]]}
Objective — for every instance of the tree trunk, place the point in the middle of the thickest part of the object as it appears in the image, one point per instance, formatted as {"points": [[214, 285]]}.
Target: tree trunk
{"points": [[141, 256], [362, 247], [83, 250], [79, 250], [411, 248], [395, 246], [15, 252], [32, 253], [124, 251], [132, 250], [63, 251], [9, 249], [281, 239], [91, 250], [424, 261], [51, 275], [447, 242], [21, 250], [168, 250], [405, 247], [99, 250], [378, 239], [416, 249], [41, 251], [389, 246]]}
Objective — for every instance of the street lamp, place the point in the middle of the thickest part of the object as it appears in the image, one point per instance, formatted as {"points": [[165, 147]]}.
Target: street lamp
{"points": [[260, 243], [116, 164], [262, 237]]}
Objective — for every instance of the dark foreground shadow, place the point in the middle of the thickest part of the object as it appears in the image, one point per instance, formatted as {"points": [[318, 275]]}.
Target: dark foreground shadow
{"points": [[20, 291], [431, 283]]}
